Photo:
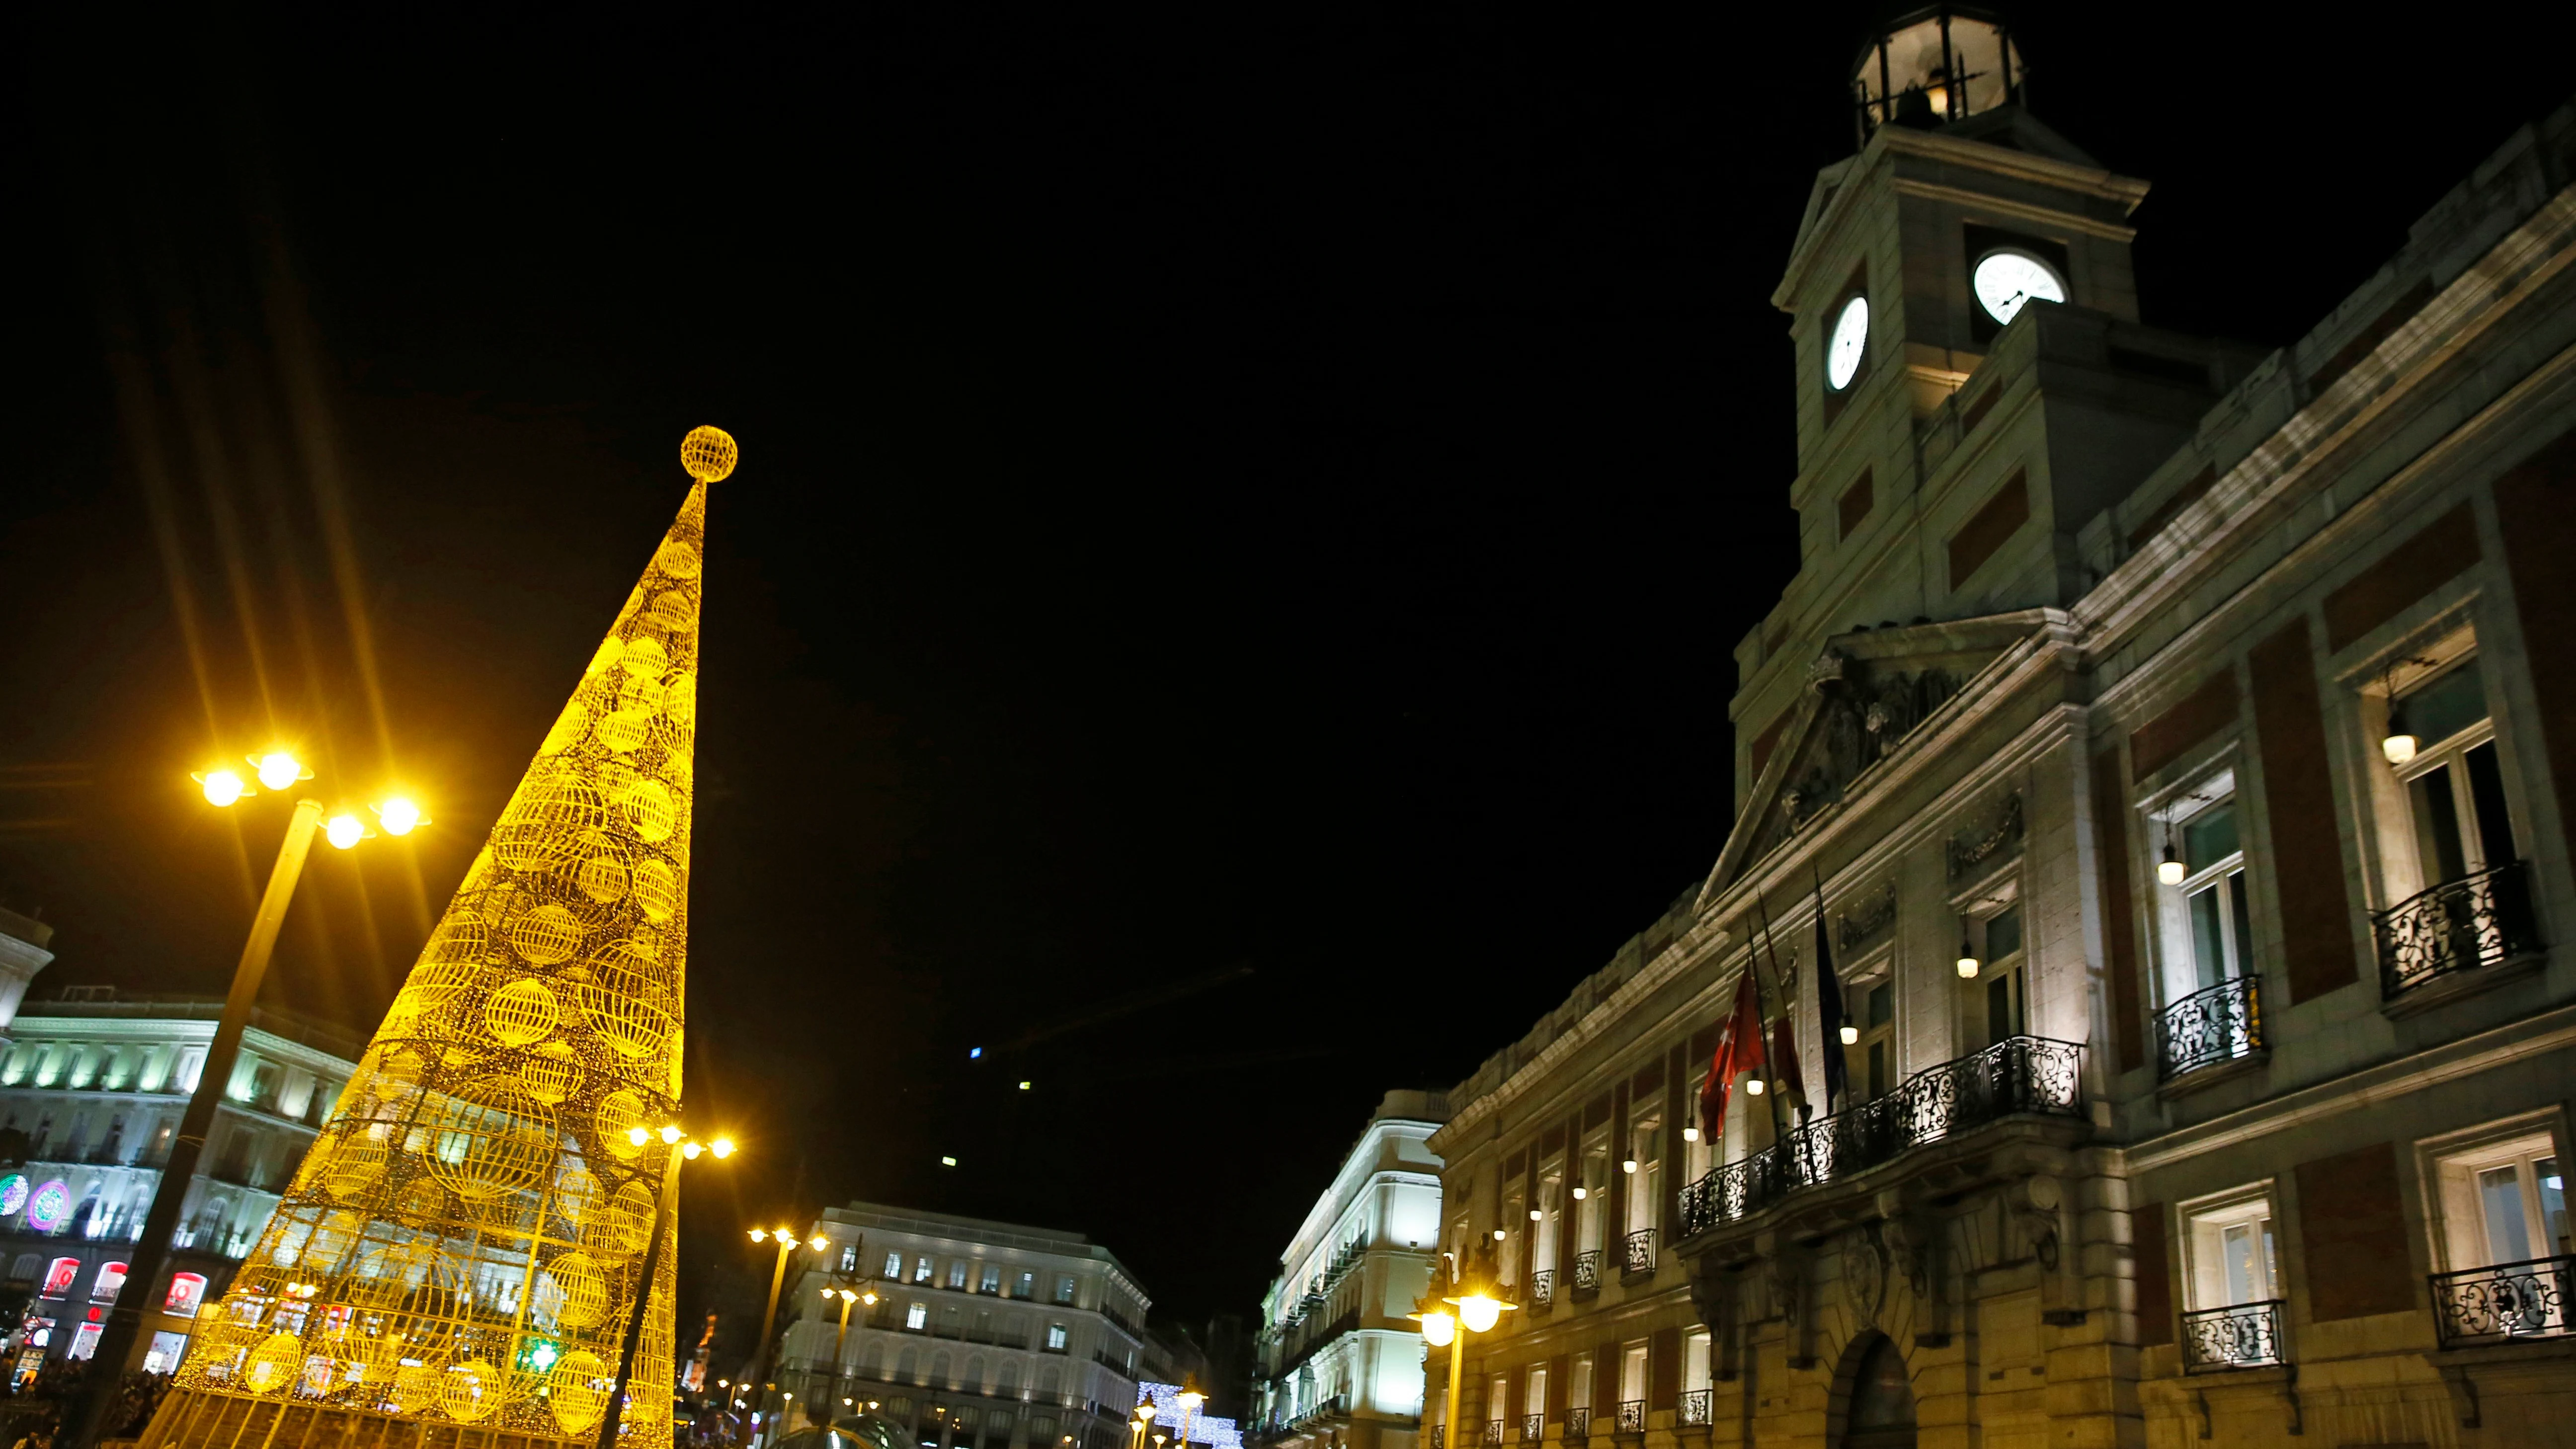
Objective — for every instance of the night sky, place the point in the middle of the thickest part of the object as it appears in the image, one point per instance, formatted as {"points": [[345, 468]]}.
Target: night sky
{"points": [[1244, 514]]}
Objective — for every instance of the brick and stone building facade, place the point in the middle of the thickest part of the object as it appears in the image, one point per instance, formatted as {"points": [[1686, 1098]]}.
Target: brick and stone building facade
{"points": [[2177, 742]]}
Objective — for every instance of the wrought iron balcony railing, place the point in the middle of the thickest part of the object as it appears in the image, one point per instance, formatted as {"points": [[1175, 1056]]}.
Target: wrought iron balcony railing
{"points": [[1587, 1271], [2508, 1301], [1439, 1436], [1542, 1288], [1493, 1434], [2244, 1335], [2019, 1076], [1578, 1425], [1638, 1250], [2458, 925], [1694, 1409], [1533, 1428], [1632, 1416], [2216, 1024]]}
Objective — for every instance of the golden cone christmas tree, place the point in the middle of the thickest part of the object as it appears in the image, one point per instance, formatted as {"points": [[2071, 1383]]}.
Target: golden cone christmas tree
{"points": [[463, 1246]]}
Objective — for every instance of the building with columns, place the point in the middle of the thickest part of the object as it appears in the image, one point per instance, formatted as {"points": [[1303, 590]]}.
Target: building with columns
{"points": [[2170, 747], [1339, 1363], [983, 1334]]}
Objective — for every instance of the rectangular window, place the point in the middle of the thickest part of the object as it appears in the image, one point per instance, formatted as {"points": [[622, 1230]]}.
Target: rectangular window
{"points": [[956, 1272], [1534, 1392], [1632, 1372], [921, 1269], [1589, 1220], [2503, 1202], [894, 1266], [1064, 1288], [2232, 1257], [1515, 1234], [1055, 1336], [1695, 1361], [849, 1257], [1853, 510], [1028, 1285], [2454, 784], [1498, 1401], [2000, 977], [992, 1279], [1580, 1383], [1551, 1210], [916, 1317], [1872, 1059]]}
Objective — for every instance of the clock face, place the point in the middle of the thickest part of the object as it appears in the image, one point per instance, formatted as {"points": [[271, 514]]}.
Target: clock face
{"points": [[2005, 280], [1847, 343]]}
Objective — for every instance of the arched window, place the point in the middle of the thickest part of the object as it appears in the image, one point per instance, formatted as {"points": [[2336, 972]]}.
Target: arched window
{"points": [[939, 1371], [907, 1369], [1881, 1410], [872, 1360], [1009, 1387], [975, 1374]]}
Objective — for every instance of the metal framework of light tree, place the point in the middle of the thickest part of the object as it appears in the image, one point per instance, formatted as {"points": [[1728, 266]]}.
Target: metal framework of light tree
{"points": [[459, 1253]]}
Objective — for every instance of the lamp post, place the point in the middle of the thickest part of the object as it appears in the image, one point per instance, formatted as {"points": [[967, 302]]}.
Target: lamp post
{"points": [[682, 1148], [768, 1320], [1141, 1424], [841, 1339], [1477, 1299], [1190, 1398], [280, 772]]}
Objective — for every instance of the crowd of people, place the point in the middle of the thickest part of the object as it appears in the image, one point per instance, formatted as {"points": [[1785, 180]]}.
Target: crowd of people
{"points": [[34, 1409]]}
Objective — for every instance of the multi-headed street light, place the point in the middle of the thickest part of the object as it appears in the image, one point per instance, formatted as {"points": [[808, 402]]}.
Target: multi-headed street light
{"points": [[787, 1243], [682, 1148]]}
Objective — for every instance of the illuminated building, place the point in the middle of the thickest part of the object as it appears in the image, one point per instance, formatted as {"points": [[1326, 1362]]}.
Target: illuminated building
{"points": [[2175, 745], [458, 1257], [97, 1083], [1339, 1363], [983, 1333]]}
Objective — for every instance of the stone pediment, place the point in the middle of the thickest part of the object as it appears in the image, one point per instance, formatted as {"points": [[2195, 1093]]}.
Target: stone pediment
{"points": [[1866, 694]]}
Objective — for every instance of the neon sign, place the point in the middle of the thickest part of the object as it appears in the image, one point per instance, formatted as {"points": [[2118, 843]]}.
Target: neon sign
{"points": [[51, 1208], [13, 1193]]}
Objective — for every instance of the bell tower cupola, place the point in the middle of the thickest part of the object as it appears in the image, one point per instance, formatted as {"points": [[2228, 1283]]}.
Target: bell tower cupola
{"points": [[1934, 67]]}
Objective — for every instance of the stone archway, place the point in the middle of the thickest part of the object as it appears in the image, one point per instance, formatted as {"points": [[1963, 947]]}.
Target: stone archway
{"points": [[1874, 1396]]}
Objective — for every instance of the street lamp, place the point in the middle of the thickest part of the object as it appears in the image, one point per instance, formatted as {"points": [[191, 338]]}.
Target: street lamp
{"points": [[279, 771], [1143, 1423], [681, 1147], [786, 1238], [1476, 1296], [1190, 1398], [841, 1340]]}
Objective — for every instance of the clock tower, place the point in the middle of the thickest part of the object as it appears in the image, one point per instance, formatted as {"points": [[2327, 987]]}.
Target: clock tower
{"points": [[1973, 385]]}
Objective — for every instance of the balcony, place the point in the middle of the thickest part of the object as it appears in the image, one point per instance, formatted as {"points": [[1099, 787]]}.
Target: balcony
{"points": [[1439, 1436], [1632, 1416], [1542, 1290], [2246, 1335], [1693, 1410], [2221, 1023], [2507, 1303], [1533, 1428], [2478, 920], [1637, 1255], [2020, 1076], [1493, 1434], [1587, 1273], [1578, 1426]]}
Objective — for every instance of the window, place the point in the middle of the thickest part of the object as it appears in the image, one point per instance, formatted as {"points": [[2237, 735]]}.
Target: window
{"points": [[1028, 1285], [1551, 1213], [2503, 1202], [2217, 921], [1999, 981], [956, 1272], [1872, 1059], [1695, 1361], [2230, 1253], [60, 1276], [1589, 1220], [921, 1269], [916, 1316], [1632, 1372], [1645, 1185], [1498, 1401], [167, 1348], [894, 1266], [1581, 1382], [1534, 1391], [1055, 1338], [991, 1282], [110, 1281], [1064, 1288], [2455, 785], [849, 1257]]}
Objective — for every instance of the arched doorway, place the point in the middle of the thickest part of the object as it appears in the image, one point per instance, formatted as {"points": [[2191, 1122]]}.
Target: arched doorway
{"points": [[1879, 1411]]}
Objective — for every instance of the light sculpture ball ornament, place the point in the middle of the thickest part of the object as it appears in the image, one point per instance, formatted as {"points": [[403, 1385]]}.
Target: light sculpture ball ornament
{"points": [[469, 1233]]}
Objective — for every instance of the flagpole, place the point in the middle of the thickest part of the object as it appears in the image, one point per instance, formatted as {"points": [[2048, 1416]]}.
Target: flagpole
{"points": [[1771, 1069]]}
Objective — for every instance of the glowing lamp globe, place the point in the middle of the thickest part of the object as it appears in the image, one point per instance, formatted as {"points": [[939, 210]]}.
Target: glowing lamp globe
{"points": [[1754, 1087], [1851, 1036], [278, 769], [709, 454], [1479, 1312], [2169, 870], [1689, 1134], [1438, 1329], [223, 787], [398, 815], [2399, 747], [344, 831]]}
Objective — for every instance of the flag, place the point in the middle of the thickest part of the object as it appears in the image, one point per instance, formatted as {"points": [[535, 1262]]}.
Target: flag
{"points": [[1784, 1043], [1739, 1049], [1829, 1008]]}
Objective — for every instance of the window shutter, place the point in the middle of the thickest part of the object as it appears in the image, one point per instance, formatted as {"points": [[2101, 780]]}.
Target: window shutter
{"points": [[1664, 1369], [2152, 1259]]}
